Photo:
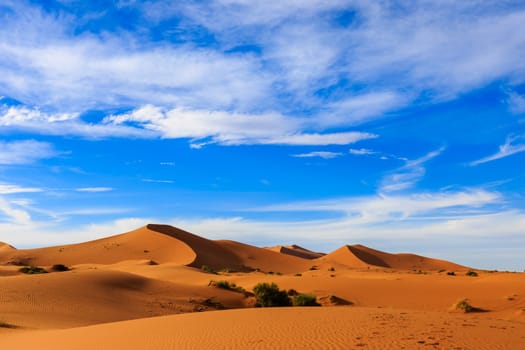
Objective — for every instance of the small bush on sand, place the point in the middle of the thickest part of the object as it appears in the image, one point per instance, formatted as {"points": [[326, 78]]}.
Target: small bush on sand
{"points": [[313, 268], [60, 268], [331, 269], [269, 295], [32, 270], [292, 292], [298, 274], [471, 273], [7, 325], [442, 270], [305, 300], [208, 269], [466, 307], [451, 273], [227, 285]]}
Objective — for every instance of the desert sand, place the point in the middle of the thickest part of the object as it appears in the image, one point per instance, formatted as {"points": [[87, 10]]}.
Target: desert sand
{"points": [[147, 289]]}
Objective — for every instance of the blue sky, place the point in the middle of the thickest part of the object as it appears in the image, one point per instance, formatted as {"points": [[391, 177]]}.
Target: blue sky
{"points": [[400, 125]]}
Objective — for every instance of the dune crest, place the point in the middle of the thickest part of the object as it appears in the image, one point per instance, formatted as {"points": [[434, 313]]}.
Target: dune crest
{"points": [[360, 256], [297, 251]]}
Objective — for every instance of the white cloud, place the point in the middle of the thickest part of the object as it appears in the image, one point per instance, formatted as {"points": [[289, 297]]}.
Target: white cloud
{"points": [[25, 152], [320, 154], [505, 150], [361, 151], [94, 189], [516, 102], [14, 215], [34, 120], [10, 189], [231, 128], [408, 175], [159, 181]]}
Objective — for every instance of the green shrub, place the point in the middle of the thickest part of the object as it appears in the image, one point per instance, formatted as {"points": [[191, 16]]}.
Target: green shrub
{"points": [[292, 292], [464, 306], [208, 269], [269, 295], [32, 270], [471, 273], [60, 267], [305, 300], [227, 285]]}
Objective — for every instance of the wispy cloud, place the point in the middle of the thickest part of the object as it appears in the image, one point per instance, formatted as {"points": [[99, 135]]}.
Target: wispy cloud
{"points": [[17, 216], [516, 102], [25, 152], [94, 189], [231, 128], [159, 181], [505, 150], [320, 154], [409, 174], [361, 151], [10, 189]]}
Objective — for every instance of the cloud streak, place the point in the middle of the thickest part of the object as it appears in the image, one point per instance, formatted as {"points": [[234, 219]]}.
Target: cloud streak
{"points": [[506, 150]]}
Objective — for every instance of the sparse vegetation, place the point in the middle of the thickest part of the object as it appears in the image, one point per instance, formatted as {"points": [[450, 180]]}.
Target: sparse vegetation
{"points": [[292, 292], [313, 268], [305, 300], [60, 268], [451, 273], [227, 285], [331, 269], [442, 270], [465, 306], [7, 325], [471, 273], [269, 295], [298, 274], [32, 270], [208, 269]]}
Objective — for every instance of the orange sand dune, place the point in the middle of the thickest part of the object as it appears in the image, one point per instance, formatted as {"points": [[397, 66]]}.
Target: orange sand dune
{"points": [[264, 259], [296, 250], [286, 328], [94, 295], [118, 283], [359, 256]]}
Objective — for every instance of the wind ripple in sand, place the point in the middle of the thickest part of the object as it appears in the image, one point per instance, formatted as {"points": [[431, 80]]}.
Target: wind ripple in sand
{"points": [[287, 328]]}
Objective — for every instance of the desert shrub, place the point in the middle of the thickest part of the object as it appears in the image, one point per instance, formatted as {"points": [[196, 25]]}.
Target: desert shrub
{"points": [[305, 300], [451, 273], [442, 270], [464, 306], [228, 270], [32, 270], [471, 273], [331, 269], [298, 274], [269, 295], [313, 268], [270, 272], [292, 292], [7, 325], [227, 285], [60, 267], [208, 269]]}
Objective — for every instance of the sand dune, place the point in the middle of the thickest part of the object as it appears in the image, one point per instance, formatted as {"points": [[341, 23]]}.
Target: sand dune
{"points": [[359, 256], [118, 283], [286, 328], [297, 251]]}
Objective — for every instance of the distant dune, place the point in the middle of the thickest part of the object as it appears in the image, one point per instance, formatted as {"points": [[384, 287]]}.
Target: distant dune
{"points": [[359, 256], [297, 251]]}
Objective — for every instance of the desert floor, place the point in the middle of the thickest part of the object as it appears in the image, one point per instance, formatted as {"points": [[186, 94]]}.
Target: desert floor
{"points": [[146, 290]]}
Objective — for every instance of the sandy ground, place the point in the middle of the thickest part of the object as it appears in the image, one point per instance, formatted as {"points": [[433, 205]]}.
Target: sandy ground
{"points": [[145, 290]]}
